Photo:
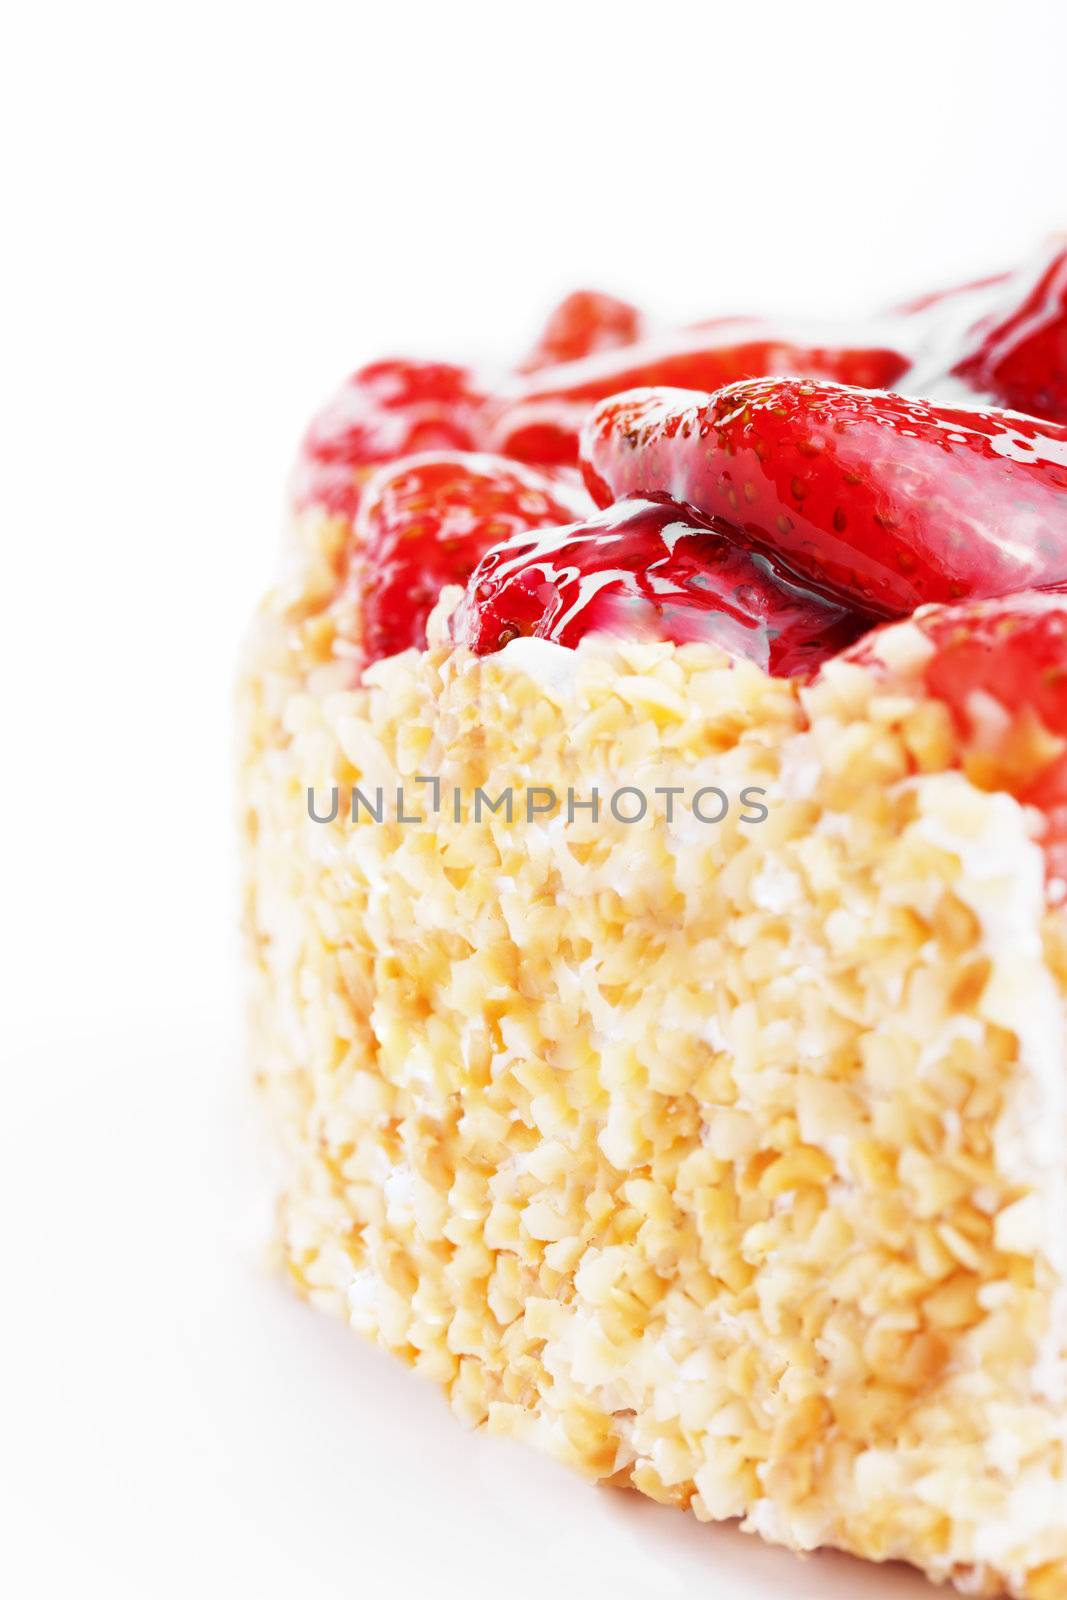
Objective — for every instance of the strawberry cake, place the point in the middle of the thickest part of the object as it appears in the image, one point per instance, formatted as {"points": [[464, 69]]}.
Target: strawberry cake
{"points": [[654, 786]]}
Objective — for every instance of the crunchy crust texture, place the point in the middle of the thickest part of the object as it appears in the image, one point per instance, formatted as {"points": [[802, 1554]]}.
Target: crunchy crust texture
{"points": [[725, 1161]]}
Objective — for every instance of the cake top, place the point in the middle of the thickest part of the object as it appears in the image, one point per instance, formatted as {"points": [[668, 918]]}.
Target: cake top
{"points": [[778, 491], [798, 484]]}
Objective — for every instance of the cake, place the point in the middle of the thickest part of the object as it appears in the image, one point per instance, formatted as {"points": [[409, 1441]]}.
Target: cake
{"points": [[654, 788]]}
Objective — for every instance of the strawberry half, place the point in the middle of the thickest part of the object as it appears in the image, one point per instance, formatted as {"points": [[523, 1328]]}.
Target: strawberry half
{"points": [[650, 569], [1017, 354], [884, 501], [425, 522], [385, 410], [539, 420], [1000, 666], [581, 325]]}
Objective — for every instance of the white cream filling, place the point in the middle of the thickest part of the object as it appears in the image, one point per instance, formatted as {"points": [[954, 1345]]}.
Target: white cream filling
{"points": [[1003, 884], [552, 666]]}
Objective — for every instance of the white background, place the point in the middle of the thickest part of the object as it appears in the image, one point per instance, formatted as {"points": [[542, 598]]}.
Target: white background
{"points": [[211, 213]]}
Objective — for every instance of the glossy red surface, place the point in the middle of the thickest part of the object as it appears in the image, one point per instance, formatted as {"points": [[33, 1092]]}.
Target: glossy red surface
{"points": [[1013, 649], [884, 501], [1018, 353], [800, 500], [650, 569], [581, 325], [385, 410], [539, 420], [1001, 666], [427, 523]]}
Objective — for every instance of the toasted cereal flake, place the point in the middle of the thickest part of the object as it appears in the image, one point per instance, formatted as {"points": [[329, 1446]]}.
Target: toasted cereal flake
{"points": [[904, 648]]}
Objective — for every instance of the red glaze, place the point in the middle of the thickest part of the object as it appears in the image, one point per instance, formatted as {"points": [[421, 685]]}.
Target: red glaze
{"points": [[815, 502], [581, 325], [385, 410], [1017, 355], [1010, 654], [649, 569], [884, 501], [539, 421], [426, 522]]}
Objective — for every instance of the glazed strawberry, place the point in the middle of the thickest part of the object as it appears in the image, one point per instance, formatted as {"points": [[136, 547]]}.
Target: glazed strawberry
{"points": [[539, 420], [425, 522], [385, 410], [884, 501], [1017, 355], [1001, 668], [582, 324], [1014, 650], [653, 569]]}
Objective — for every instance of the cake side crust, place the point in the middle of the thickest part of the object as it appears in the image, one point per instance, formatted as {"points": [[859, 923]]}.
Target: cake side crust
{"points": [[718, 1159]]}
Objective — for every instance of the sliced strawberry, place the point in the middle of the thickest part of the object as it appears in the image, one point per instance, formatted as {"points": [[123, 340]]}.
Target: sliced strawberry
{"points": [[581, 325], [425, 522], [539, 420], [1017, 354], [884, 501], [653, 569], [1012, 649], [385, 410], [1001, 668]]}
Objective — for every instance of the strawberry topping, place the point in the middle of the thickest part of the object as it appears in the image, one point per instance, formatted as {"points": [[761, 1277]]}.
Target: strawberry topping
{"points": [[773, 496], [884, 501], [385, 410], [1017, 355], [653, 569], [1013, 650], [426, 522], [1000, 666], [581, 325], [540, 419]]}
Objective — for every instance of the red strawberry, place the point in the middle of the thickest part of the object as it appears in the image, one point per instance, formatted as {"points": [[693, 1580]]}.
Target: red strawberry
{"points": [[425, 522], [885, 501], [539, 420], [385, 410], [1012, 650], [653, 569], [1001, 668], [1017, 355], [582, 324]]}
